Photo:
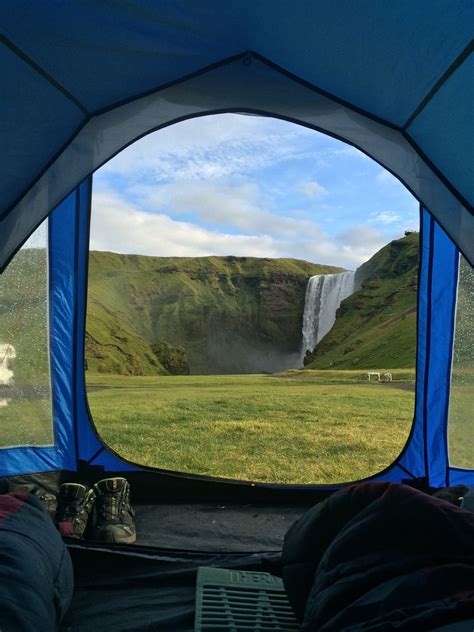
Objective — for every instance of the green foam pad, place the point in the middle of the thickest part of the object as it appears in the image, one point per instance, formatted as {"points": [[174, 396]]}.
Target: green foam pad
{"points": [[241, 601]]}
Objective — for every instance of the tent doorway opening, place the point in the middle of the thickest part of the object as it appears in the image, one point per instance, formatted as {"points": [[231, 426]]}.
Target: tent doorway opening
{"points": [[252, 301]]}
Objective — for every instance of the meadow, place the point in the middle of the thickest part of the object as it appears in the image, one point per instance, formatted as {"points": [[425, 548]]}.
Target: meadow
{"points": [[460, 428], [25, 421], [297, 427]]}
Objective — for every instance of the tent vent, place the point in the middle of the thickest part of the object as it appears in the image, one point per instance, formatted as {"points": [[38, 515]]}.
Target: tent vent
{"points": [[241, 601]]}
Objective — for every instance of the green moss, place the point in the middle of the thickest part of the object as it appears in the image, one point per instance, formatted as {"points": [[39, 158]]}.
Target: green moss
{"points": [[174, 359]]}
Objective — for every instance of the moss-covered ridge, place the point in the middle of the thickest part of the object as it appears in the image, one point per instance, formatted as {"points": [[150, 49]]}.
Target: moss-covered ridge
{"points": [[229, 314]]}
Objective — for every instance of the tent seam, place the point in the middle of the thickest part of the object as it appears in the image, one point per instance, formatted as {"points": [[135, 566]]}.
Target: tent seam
{"points": [[460, 59], [4, 214], [43, 73], [451, 188], [49, 164], [77, 211], [426, 380], [324, 93], [174, 82]]}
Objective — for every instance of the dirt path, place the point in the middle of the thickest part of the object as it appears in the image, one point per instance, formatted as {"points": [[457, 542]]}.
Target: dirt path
{"points": [[404, 386]]}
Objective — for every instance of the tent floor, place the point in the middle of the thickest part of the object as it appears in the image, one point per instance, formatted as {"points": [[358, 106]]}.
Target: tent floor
{"points": [[151, 585], [214, 528], [126, 592]]}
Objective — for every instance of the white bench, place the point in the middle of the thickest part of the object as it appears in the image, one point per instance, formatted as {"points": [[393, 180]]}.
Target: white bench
{"points": [[374, 373]]}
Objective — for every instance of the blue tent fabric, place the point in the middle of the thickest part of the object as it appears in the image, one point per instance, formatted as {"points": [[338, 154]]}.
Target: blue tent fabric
{"points": [[252, 84], [450, 121], [426, 454], [357, 51], [76, 439], [67, 65], [81, 81]]}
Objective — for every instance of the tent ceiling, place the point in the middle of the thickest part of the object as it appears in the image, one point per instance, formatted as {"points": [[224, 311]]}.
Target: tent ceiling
{"points": [[70, 60]]}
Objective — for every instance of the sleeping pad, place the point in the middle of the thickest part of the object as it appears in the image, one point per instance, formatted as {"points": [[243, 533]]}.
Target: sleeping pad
{"points": [[380, 557]]}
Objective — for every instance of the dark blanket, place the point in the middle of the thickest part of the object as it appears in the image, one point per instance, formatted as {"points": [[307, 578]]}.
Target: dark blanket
{"points": [[379, 557], [36, 579]]}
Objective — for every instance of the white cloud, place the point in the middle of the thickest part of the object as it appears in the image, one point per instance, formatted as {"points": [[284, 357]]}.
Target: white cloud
{"points": [[241, 207], [361, 242], [362, 235], [191, 189], [385, 177], [385, 217], [220, 146], [351, 152], [311, 189], [119, 226], [210, 147]]}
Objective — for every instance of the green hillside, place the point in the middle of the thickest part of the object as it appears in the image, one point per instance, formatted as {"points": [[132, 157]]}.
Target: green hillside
{"points": [[217, 314], [160, 316], [376, 326], [112, 347]]}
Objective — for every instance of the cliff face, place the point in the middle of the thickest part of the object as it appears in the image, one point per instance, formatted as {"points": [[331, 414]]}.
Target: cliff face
{"points": [[225, 314], [376, 326]]}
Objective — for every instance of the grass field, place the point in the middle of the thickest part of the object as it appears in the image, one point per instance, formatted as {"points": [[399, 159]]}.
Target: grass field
{"points": [[297, 427], [460, 428], [301, 427], [25, 421]]}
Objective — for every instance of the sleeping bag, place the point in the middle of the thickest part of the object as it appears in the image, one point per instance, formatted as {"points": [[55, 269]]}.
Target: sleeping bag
{"points": [[36, 578], [379, 557]]}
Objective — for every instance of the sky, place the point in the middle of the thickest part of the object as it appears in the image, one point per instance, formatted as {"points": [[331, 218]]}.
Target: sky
{"points": [[232, 184]]}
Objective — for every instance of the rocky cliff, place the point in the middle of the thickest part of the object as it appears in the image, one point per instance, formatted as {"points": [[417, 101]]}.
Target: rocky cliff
{"points": [[215, 314]]}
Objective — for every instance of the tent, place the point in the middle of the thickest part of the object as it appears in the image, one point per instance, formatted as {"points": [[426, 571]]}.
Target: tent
{"points": [[81, 81]]}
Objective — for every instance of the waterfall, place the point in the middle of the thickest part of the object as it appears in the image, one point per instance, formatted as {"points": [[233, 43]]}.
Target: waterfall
{"points": [[324, 294]]}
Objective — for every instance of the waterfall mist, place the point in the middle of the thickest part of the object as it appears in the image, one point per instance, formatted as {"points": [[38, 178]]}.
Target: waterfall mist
{"points": [[324, 294]]}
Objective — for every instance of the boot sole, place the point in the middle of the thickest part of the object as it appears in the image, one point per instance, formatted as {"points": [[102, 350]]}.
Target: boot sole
{"points": [[110, 538]]}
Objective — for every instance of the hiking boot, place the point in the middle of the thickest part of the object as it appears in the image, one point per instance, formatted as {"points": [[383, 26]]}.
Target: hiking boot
{"points": [[48, 500], [114, 518], [75, 502]]}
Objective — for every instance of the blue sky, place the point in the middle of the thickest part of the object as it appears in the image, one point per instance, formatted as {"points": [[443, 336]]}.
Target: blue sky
{"points": [[247, 186]]}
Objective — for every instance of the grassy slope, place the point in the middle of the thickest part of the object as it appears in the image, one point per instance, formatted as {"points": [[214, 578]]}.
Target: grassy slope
{"points": [[113, 347], [227, 312], [376, 326]]}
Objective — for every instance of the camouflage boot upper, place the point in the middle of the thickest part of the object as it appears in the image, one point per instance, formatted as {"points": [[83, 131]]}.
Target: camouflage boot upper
{"points": [[114, 518], [75, 502]]}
